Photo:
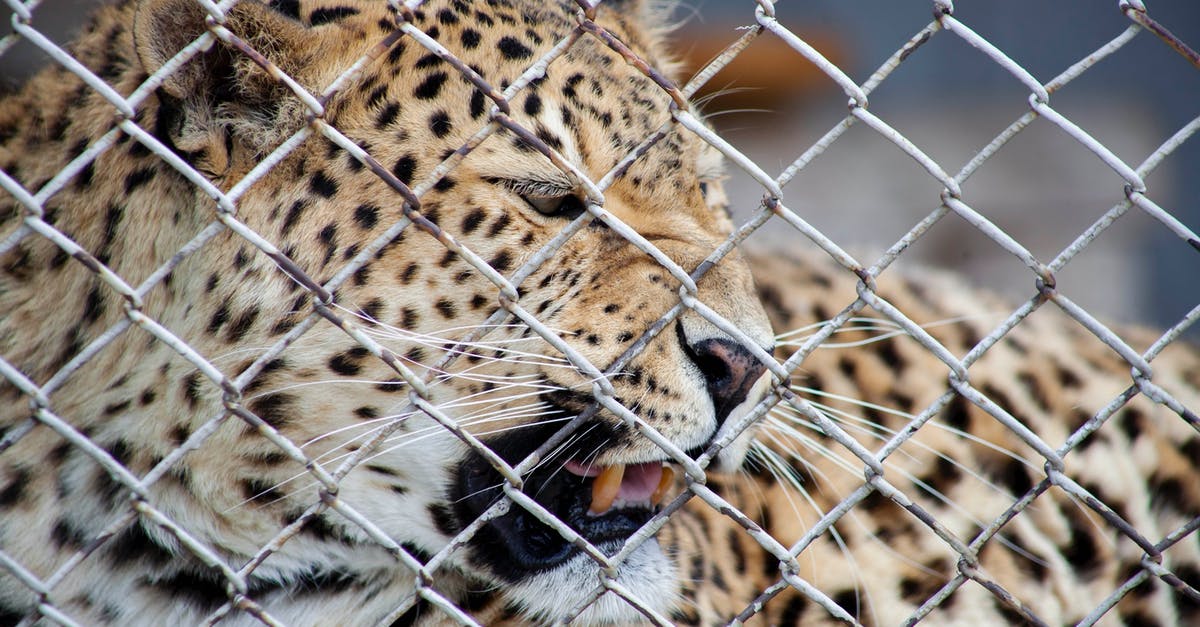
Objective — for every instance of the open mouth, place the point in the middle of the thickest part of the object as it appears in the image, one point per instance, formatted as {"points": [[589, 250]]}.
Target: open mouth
{"points": [[622, 487], [603, 504]]}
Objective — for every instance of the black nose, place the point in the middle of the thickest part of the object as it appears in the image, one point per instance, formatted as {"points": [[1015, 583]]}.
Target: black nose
{"points": [[729, 371]]}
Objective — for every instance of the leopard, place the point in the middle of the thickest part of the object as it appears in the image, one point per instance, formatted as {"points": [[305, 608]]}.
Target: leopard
{"points": [[218, 380], [967, 500], [968, 529], [233, 165]]}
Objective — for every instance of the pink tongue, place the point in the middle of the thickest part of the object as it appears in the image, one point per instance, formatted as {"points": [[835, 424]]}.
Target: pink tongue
{"points": [[640, 481]]}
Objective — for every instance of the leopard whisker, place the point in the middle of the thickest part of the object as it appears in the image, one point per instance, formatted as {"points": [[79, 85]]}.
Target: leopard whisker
{"points": [[784, 473], [379, 324], [431, 431], [870, 429], [847, 463], [374, 423], [798, 336], [908, 416]]}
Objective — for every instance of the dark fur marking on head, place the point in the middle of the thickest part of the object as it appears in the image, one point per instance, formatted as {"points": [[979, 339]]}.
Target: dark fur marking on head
{"points": [[134, 544], [511, 48], [272, 409], [15, 490], [326, 15], [404, 169]]}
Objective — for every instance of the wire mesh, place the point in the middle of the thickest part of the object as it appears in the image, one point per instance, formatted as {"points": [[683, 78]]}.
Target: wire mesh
{"points": [[785, 557]]}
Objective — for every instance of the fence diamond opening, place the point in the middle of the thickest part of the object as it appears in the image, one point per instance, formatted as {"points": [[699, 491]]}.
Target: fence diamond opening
{"points": [[787, 557]]}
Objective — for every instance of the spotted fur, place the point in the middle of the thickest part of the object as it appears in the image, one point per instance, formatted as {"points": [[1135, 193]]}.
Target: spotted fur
{"points": [[138, 400], [1059, 559], [222, 114]]}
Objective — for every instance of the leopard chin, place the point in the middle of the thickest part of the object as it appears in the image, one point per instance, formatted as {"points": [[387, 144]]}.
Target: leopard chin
{"points": [[555, 595]]}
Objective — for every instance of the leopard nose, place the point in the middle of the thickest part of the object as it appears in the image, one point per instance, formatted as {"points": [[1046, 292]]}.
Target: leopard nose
{"points": [[729, 371]]}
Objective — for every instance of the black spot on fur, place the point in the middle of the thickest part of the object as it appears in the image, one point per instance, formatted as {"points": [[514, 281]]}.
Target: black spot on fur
{"points": [[191, 389], [93, 305], [886, 349], [242, 325], [293, 216], [511, 48], [135, 546], [199, 590], [391, 385], [956, 413], [1013, 475], [428, 60], [1168, 492], [372, 309], [1082, 553], [499, 225], [322, 529], [1139, 618], [1066, 378], [116, 408], [429, 88], [404, 168], [65, 534], [273, 409], [916, 591], [330, 14], [533, 104], [446, 308], [138, 178], [847, 600], [470, 38], [501, 262], [15, 490], [440, 124], [256, 488], [794, 610], [943, 477], [1132, 423], [472, 220], [387, 115], [322, 185], [348, 363], [366, 216], [147, 397], [478, 102], [1189, 608]]}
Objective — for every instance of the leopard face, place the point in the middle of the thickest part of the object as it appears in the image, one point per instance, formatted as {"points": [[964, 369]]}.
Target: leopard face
{"points": [[415, 338]]}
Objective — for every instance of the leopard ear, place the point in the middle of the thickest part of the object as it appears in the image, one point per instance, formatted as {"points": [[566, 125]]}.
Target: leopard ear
{"points": [[656, 20], [224, 90], [162, 28]]}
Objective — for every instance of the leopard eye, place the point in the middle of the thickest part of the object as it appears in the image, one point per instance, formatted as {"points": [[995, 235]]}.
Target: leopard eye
{"points": [[568, 206]]}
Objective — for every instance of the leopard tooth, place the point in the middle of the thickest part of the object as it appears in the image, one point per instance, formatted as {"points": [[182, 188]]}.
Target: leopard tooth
{"points": [[664, 483], [605, 488]]}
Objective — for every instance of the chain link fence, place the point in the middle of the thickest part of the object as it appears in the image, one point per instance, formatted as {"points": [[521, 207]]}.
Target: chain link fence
{"points": [[772, 210]]}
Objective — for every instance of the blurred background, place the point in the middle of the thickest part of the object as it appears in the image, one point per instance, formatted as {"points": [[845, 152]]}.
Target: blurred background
{"points": [[1043, 187]]}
